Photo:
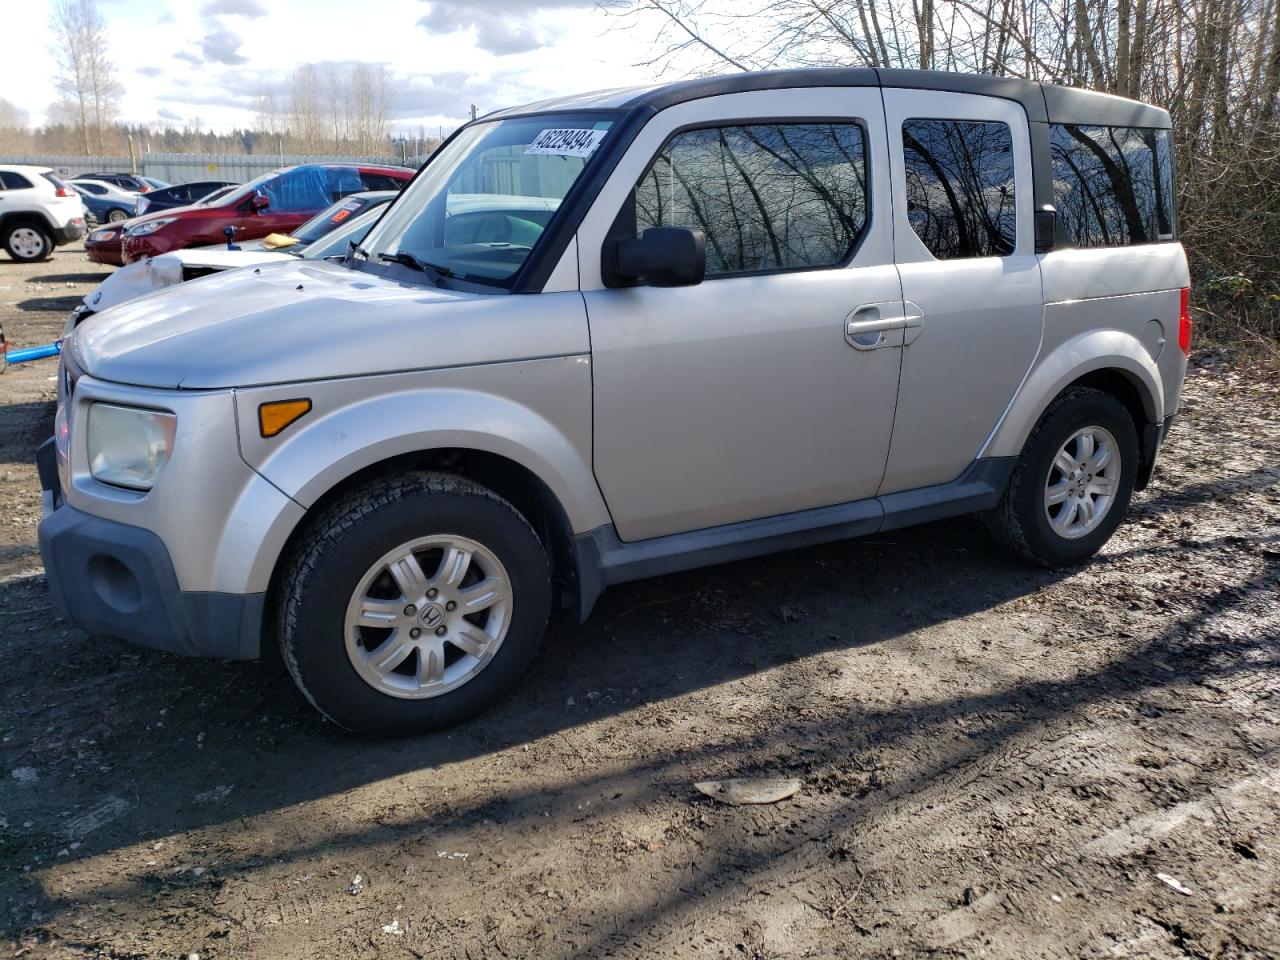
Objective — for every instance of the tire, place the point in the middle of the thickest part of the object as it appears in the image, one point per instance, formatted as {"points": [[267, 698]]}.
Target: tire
{"points": [[27, 241], [115, 215], [333, 575], [1026, 524]]}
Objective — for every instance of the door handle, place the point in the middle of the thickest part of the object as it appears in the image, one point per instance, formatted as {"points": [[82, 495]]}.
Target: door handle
{"points": [[913, 323], [866, 327]]}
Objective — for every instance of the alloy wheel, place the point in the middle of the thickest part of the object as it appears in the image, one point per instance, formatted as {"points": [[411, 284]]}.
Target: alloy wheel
{"points": [[1082, 482], [428, 616]]}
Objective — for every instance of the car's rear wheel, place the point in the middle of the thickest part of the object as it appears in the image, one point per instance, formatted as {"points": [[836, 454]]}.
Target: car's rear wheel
{"points": [[28, 242], [115, 215], [1071, 485], [413, 602]]}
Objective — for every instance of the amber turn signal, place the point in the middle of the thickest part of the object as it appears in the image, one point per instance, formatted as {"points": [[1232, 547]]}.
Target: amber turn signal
{"points": [[275, 416]]}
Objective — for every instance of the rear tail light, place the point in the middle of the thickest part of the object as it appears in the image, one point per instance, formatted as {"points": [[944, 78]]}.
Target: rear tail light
{"points": [[1184, 322], [65, 192]]}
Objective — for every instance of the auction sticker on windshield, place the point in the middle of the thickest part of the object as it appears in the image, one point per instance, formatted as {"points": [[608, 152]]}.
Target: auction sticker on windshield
{"points": [[570, 142]]}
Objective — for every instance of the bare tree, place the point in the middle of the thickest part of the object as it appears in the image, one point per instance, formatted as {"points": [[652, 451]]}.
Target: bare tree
{"points": [[306, 123], [338, 108], [86, 75]]}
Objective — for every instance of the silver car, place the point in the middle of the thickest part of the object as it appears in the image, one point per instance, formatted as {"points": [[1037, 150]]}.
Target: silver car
{"points": [[699, 322]]}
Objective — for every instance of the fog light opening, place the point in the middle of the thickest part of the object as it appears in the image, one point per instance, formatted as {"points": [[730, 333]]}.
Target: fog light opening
{"points": [[115, 584]]}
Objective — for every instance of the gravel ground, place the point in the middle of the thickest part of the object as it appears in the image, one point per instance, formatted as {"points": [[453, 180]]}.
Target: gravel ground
{"points": [[996, 761]]}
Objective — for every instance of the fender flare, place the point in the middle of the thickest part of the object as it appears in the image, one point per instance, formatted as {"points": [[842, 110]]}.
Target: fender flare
{"points": [[37, 215], [332, 448], [1091, 352]]}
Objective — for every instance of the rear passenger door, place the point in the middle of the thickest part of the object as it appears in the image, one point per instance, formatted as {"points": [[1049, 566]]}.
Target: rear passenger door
{"points": [[748, 395], [964, 244]]}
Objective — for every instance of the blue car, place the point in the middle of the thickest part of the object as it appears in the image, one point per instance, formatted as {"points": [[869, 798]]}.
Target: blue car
{"points": [[104, 202]]}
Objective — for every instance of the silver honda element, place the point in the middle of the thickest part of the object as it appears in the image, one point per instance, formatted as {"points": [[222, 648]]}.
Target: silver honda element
{"points": [[618, 335]]}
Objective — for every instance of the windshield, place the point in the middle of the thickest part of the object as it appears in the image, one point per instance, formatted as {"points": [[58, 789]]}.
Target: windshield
{"points": [[243, 191], [335, 241], [218, 194], [333, 215], [482, 204]]}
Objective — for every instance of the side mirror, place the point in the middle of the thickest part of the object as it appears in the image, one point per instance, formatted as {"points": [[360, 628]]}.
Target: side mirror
{"points": [[1046, 224], [259, 203], [663, 257]]}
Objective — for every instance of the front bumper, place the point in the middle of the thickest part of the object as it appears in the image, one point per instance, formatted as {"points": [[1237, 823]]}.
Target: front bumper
{"points": [[133, 249], [105, 252], [109, 578]]}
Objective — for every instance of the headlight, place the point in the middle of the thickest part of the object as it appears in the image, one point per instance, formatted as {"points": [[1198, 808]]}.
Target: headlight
{"points": [[142, 229], [127, 446], [100, 236]]}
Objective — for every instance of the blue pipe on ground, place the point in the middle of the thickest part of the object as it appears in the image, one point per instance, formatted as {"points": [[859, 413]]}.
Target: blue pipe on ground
{"points": [[34, 353]]}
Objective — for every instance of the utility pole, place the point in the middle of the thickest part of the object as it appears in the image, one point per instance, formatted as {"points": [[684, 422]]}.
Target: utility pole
{"points": [[473, 111]]}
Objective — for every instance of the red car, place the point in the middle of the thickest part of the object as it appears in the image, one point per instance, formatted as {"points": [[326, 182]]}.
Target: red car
{"points": [[276, 202]]}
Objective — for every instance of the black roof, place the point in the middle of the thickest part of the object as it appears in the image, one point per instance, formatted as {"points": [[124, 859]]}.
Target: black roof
{"points": [[1043, 102]]}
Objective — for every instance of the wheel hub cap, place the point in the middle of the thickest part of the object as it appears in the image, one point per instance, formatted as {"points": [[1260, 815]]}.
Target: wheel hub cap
{"points": [[1082, 482], [428, 616], [27, 242]]}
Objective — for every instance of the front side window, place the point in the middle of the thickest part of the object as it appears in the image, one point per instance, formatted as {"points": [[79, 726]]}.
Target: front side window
{"points": [[483, 203], [777, 196], [960, 187], [1112, 186]]}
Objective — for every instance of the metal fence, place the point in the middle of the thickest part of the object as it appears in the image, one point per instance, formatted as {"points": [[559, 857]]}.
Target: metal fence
{"points": [[185, 167]]}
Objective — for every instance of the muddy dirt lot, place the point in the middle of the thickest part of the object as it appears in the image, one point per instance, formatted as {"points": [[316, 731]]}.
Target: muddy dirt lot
{"points": [[996, 761]]}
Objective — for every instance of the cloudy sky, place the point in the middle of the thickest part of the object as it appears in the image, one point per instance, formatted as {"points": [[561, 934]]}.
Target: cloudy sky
{"points": [[206, 61]]}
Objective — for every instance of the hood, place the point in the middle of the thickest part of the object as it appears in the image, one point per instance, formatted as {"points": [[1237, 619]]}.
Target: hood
{"points": [[220, 258], [154, 273], [276, 323], [158, 214]]}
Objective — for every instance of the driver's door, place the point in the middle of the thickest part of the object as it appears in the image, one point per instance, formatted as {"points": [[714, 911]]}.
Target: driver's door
{"points": [[750, 394]]}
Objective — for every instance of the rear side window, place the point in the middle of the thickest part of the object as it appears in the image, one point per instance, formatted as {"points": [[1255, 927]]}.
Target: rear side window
{"points": [[778, 196], [380, 181], [1112, 186], [960, 187], [95, 188], [14, 181]]}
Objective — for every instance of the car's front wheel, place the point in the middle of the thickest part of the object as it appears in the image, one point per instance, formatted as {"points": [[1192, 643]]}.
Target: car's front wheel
{"points": [[28, 242], [1071, 486], [413, 602]]}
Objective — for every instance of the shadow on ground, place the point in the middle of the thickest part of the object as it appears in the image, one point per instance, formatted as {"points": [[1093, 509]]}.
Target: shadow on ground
{"points": [[88, 277]]}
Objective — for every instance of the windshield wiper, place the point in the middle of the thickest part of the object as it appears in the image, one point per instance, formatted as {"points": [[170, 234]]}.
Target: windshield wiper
{"points": [[436, 273], [354, 249]]}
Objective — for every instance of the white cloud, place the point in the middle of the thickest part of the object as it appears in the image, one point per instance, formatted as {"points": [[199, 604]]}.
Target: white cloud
{"points": [[220, 45], [250, 9], [501, 28], [491, 53]]}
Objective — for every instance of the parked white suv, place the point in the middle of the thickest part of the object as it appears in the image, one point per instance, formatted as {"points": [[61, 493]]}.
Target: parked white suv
{"points": [[37, 212], [738, 315]]}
